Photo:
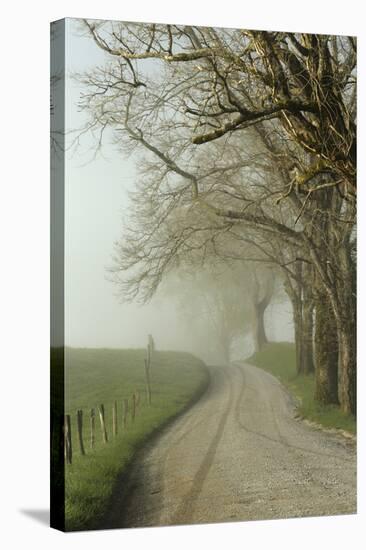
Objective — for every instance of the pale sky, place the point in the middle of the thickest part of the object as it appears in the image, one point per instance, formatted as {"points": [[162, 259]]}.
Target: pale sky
{"points": [[96, 200], [95, 203]]}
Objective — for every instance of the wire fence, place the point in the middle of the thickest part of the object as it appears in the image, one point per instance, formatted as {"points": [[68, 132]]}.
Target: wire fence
{"points": [[123, 415]]}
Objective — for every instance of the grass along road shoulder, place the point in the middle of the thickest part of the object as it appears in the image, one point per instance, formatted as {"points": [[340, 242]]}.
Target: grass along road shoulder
{"points": [[278, 358], [96, 376]]}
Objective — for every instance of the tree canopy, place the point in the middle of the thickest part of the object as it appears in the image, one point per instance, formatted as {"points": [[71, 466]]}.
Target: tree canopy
{"points": [[246, 141]]}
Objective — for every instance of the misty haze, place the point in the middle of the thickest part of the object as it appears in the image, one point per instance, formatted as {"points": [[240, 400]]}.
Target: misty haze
{"points": [[204, 218], [97, 203]]}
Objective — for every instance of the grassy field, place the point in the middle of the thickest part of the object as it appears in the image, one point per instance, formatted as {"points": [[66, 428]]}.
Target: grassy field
{"points": [[279, 360], [100, 376]]}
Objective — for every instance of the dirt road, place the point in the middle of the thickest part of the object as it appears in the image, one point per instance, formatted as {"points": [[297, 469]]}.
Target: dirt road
{"points": [[239, 454]]}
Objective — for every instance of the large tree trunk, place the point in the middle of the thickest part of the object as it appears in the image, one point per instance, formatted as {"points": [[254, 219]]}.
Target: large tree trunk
{"points": [[303, 325], [339, 289], [300, 294], [347, 368], [259, 307], [307, 366], [323, 247], [326, 353], [347, 333], [259, 332], [298, 329]]}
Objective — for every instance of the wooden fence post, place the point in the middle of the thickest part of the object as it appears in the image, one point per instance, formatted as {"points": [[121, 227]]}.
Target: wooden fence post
{"points": [[92, 428], [79, 418], [148, 387], [151, 343], [148, 354], [102, 423], [125, 412], [133, 411], [114, 419], [67, 439]]}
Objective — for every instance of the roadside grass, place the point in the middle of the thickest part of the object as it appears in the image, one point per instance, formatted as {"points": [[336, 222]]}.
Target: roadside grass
{"points": [[95, 376], [278, 358]]}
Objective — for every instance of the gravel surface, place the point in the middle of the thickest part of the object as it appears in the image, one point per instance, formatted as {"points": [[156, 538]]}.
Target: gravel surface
{"points": [[239, 454]]}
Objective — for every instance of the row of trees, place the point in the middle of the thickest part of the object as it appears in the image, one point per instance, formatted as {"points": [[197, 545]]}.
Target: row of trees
{"points": [[222, 304], [247, 153]]}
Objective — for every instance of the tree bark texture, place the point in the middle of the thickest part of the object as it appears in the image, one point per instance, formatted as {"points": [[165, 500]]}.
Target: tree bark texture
{"points": [[336, 282], [307, 366], [299, 291], [326, 353], [347, 333]]}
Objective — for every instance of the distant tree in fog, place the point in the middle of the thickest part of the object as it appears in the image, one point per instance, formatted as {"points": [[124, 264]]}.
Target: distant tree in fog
{"points": [[241, 134]]}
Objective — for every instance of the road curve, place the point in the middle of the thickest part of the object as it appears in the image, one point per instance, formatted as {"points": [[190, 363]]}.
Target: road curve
{"points": [[239, 454]]}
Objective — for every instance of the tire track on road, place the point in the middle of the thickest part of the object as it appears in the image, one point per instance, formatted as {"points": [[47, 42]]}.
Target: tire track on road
{"points": [[304, 467], [283, 440], [238, 454], [185, 510]]}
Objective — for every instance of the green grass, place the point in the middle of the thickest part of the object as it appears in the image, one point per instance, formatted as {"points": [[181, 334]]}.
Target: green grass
{"points": [[279, 360], [100, 376]]}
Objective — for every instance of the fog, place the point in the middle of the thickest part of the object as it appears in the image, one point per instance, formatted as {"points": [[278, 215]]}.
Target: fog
{"points": [[96, 204]]}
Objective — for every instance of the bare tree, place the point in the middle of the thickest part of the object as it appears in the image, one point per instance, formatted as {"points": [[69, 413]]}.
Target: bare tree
{"points": [[239, 129]]}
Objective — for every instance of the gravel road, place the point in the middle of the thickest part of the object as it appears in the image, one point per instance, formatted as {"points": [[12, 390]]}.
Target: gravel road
{"points": [[239, 454]]}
